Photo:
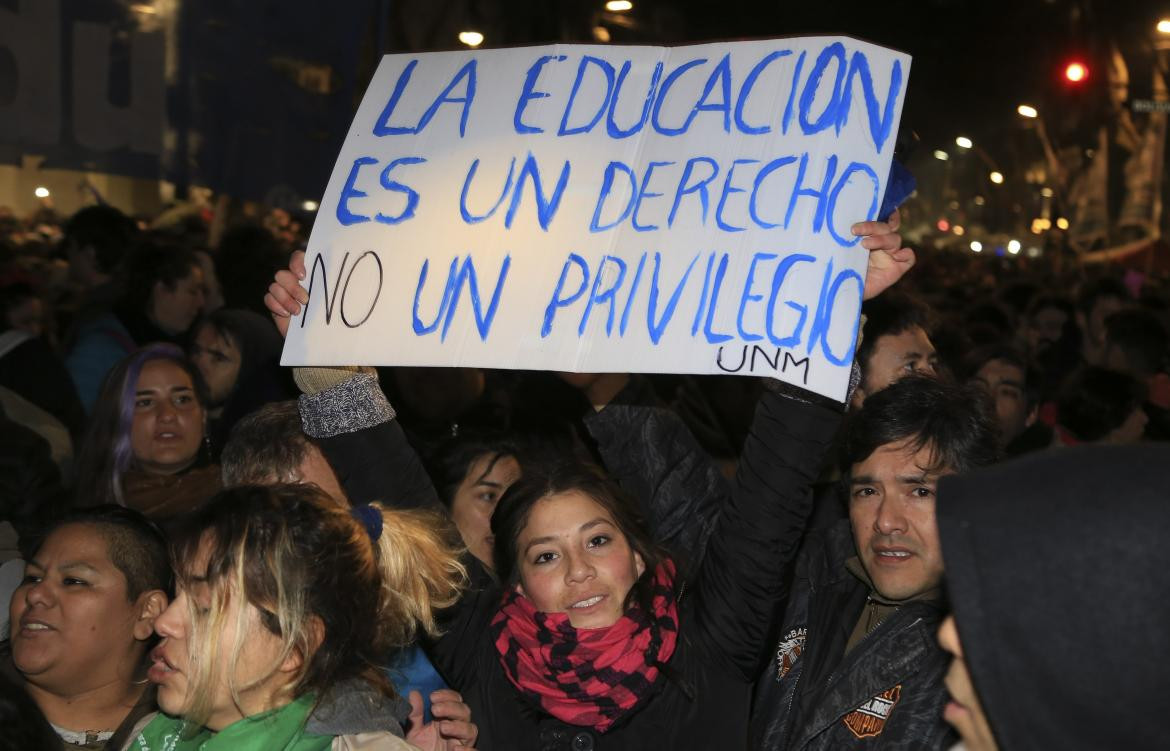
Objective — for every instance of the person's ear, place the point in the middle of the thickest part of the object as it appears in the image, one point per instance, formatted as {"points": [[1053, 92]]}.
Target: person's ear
{"points": [[150, 606], [1032, 415], [296, 658], [858, 398], [639, 564]]}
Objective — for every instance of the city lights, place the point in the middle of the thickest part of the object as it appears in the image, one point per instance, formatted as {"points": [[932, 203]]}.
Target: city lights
{"points": [[1164, 26], [958, 230], [471, 38], [601, 34], [1062, 223], [1014, 246], [980, 200], [941, 155], [976, 246], [996, 177], [1076, 72], [41, 192], [943, 225], [1047, 192], [309, 205], [1027, 110], [619, 6], [963, 142]]}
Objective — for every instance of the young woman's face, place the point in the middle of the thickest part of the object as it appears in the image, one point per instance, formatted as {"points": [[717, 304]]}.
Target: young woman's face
{"points": [[476, 498], [574, 559], [167, 427], [255, 674], [73, 623]]}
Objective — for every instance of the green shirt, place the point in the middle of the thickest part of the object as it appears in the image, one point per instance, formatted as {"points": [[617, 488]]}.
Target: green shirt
{"points": [[280, 729]]}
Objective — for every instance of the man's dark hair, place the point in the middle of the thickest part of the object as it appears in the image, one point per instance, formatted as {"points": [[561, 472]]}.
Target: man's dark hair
{"points": [[1095, 401], [1141, 337], [105, 229], [888, 315], [136, 545], [266, 446], [954, 422]]}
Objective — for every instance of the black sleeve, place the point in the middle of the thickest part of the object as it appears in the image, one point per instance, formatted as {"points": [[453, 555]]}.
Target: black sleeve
{"points": [[462, 628], [653, 456], [757, 534], [355, 428]]}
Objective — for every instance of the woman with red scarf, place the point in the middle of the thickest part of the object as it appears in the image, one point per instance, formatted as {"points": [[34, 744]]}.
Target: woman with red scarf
{"points": [[594, 639]]}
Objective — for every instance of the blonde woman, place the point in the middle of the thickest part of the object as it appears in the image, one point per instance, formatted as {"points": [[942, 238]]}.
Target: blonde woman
{"points": [[285, 606]]}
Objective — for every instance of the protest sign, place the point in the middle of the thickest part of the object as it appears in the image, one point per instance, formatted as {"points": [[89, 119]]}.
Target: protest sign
{"points": [[602, 209]]}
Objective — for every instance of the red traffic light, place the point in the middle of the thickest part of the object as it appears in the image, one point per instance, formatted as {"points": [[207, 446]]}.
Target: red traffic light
{"points": [[1076, 72]]}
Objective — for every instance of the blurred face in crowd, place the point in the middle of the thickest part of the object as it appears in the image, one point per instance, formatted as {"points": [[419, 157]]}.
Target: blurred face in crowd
{"points": [[256, 671], [476, 497], [895, 356], [1045, 328], [218, 359], [891, 507], [574, 559], [168, 421], [963, 712], [74, 626], [28, 315], [1004, 383], [1093, 326], [174, 309]]}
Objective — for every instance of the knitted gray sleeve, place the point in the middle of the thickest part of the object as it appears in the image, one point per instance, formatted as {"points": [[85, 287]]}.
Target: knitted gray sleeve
{"points": [[350, 406]]}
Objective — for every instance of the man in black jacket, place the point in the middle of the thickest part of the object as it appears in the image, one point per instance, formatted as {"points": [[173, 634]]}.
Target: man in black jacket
{"points": [[857, 664]]}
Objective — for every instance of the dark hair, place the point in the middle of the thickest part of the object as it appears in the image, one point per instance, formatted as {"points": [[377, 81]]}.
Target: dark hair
{"points": [[267, 445], [1094, 401], [105, 229], [1094, 291], [1044, 302], [888, 315], [954, 422], [106, 453], [155, 259], [451, 460], [137, 546], [542, 480], [1141, 337], [245, 261], [11, 297]]}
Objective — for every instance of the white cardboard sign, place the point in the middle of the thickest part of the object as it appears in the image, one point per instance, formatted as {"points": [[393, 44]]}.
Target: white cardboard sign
{"points": [[607, 209]]}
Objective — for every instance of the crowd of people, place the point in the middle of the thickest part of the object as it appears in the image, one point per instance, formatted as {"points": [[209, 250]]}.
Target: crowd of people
{"points": [[203, 550]]}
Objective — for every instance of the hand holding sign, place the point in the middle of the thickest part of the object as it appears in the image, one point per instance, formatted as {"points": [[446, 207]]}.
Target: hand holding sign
{"points": [[609, 209]]}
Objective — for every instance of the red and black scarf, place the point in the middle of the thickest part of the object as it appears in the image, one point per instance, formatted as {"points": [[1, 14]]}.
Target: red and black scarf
{"points": [[587, 677]]}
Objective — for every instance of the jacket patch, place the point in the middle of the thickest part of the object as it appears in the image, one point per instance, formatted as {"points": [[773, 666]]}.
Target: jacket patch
{"points": [[869, 719], [790, 648]]}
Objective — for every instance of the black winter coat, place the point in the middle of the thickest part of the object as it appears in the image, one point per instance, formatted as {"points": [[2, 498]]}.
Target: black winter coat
{"points": [[702, 700]]}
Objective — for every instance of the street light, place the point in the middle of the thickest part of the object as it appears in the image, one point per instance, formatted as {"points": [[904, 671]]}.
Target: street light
{"points": [[996, 177], [1013, 246], [619, 6], [471, 38], [1076, 72], [41, 192], [1164, 26], [1027, 110], [976, 246], [941, 155], [963, 142]]}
